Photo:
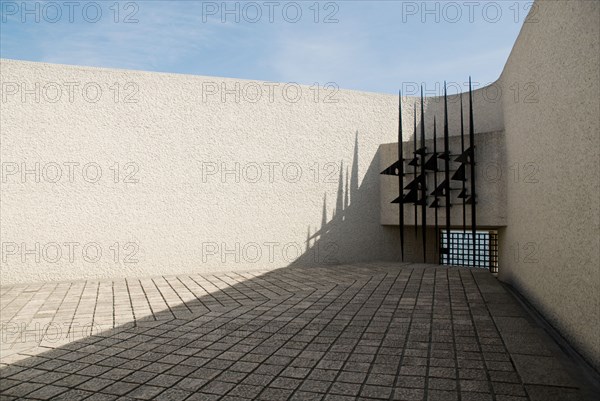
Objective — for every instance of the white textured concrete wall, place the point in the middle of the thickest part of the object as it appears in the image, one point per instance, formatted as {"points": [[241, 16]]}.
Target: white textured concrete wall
{"points": [[549, 250], [196, 179], [195, 175]]}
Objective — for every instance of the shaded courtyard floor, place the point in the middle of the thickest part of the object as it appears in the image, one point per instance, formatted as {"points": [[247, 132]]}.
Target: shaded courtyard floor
{"points": [[369, 332]]}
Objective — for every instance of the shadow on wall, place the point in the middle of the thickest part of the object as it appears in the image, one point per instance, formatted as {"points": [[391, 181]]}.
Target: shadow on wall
{"points": [[354, 222], [250, 325], [255, 323]]}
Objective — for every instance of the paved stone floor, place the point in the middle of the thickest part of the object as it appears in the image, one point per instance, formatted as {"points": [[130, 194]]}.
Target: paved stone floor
{"points": [[366, 332]]}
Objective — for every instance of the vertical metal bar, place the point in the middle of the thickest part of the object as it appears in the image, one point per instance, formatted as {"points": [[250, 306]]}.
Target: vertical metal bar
{"points": [[401, 175], [464, 185], [462, 151], [472, 160], [415, 155], [423, 183], [447, 166], [435, 183]]}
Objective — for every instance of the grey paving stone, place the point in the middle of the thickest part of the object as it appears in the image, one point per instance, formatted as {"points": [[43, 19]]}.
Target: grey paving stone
{"points": [[376, 391], [173, 394], [542, 393], [47, 392], [73, 395], [409, 394], [306, 396], [542, 370], [145, 392], [442, 395], [349, 389], [368, 332], [119, 388], [468, 396]]}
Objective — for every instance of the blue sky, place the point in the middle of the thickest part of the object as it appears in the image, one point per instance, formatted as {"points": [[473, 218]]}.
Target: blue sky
{"points": [[376, 46]]}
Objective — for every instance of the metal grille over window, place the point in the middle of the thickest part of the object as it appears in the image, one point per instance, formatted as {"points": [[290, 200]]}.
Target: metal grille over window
{"points": [[459, 249]]}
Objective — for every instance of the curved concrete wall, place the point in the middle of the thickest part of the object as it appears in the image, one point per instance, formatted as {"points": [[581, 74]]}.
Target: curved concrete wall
{"points": [[197, 173], [549, 250], [202, 173]]}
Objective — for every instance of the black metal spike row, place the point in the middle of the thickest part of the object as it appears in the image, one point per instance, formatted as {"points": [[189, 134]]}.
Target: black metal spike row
{"points": [[428, 162]]}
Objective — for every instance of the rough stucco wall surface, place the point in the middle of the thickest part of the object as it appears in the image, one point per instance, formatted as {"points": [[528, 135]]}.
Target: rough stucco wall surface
{"points": [[196, 176], [203, 183], [550, 247]]}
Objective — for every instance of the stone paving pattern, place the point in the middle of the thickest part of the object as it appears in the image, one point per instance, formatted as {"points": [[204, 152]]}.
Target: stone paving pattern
{"points": [[359, 332]]}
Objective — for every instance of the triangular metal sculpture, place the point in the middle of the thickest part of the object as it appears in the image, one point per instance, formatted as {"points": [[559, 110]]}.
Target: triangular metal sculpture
{"points": [[431, 164], [414, 162], [425, 166], [440, 190], [465, 155], [422, 151], [460, 174], [394, 169], [444, 155], [411, 197], [416, 183]]}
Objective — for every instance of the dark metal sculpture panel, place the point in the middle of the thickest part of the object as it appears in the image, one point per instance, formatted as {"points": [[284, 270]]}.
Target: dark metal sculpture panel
{"points": [[425, 172]]}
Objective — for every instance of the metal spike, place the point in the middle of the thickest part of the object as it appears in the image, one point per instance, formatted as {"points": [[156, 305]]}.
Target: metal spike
{"points": [[447, 167], [463, 193], [394, 169], [460, 174], [436, 202], [472, 164], [414, 165], [423, 184], [400, 175]]}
